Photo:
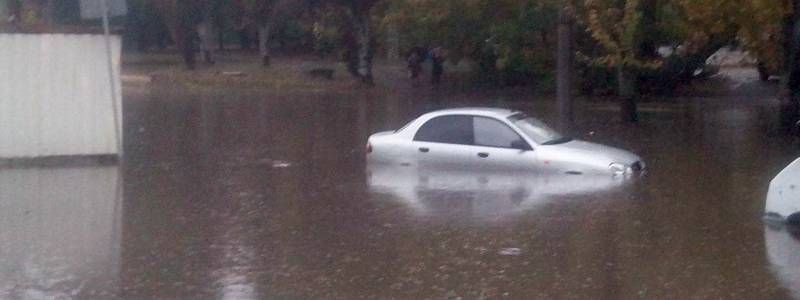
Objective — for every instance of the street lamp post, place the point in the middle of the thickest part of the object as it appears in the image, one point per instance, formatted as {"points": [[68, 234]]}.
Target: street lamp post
{"points": [[564, 57]]}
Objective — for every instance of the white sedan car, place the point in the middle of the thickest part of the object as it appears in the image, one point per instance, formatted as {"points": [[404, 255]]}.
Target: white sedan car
{"points": [[783, 197], [494, 139]]}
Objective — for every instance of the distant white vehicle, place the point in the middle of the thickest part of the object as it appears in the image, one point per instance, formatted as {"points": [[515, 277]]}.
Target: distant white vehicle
{"points": [[783, 197], [495, 139]]}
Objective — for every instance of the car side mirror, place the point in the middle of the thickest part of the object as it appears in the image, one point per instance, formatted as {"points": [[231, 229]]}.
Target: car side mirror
{"points": [[521, 145]]}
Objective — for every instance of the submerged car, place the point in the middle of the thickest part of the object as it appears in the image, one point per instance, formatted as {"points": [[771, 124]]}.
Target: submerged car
{"points": [[783, 197], [495, 139]]}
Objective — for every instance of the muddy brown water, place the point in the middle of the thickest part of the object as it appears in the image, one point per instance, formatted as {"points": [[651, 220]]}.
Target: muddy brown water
{"points": [[246, 196]]}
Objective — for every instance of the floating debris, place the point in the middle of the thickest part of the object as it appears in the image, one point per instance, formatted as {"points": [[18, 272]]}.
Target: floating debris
{"points": [[232, 73], [280, 164], [136, 79], [510, 251]]}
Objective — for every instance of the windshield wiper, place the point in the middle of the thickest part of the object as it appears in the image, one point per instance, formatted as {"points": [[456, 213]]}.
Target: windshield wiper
{"points": [[557, 141]]}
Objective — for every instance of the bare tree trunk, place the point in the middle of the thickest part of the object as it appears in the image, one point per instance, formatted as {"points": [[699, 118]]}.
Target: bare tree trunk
{"points": [[183, 36], [205, 30], [48, 12], [263, 42], [5, 8], [220, 39], [179, 20], [363, 38], [392, 42], [642, 44], [564, 58], [628, 94], [186, 44], [218, 17], [648, 29], [14, 12]]}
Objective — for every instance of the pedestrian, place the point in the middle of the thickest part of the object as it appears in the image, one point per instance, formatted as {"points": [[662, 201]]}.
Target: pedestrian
{"points": [[437, 65], [414, 61]]}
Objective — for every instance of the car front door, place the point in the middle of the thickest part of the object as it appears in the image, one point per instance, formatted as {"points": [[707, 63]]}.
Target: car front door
{"points": [[498, 147]]}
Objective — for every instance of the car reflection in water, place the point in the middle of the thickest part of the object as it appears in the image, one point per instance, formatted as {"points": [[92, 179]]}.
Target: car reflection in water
{"points": [[59, 232], [472, 195], [783, 253]]}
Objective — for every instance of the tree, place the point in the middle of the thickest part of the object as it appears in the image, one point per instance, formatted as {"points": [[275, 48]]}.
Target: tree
{"points": [[263, 12], [620, 31], [511, 42], [187, 20], [761, 31], [360, 47], [791, 107], [14, 11]]}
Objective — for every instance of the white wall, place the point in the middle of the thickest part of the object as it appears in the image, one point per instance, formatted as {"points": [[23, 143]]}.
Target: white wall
{"points": [[55, 95]]}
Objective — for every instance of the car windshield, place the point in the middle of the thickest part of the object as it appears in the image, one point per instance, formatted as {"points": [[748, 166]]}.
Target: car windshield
{"points": [[537, 130]]}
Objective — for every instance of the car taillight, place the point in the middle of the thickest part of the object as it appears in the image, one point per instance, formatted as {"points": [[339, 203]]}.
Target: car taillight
{"points": [[369, 148], [637, 167]]}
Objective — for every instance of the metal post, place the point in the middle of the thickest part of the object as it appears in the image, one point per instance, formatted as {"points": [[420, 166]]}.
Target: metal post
{"points": [[116, 231], [564, 71], [112, 82]]}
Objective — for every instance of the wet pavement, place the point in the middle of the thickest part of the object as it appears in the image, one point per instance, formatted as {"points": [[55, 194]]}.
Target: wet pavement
{"points": [[249, 196]]}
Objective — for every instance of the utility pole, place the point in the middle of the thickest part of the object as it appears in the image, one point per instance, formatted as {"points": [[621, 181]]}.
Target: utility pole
{"points": [[564, 65], [112, 81], [790, 106]]}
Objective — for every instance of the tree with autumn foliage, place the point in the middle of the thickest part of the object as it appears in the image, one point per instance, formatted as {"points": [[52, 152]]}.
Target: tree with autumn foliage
{"points": [[510, 42], [266, 14], [619, 28], [768, 30]]}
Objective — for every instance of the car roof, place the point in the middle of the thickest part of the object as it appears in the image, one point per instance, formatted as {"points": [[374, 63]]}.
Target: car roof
{"points": [[477, 111]]}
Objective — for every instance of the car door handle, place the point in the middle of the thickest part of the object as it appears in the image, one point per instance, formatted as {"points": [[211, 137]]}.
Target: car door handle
{"points": [[483, 154], [424, 150]]}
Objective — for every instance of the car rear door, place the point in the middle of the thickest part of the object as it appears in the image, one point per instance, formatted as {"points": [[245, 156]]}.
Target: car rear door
{"points": [[445, 142]]}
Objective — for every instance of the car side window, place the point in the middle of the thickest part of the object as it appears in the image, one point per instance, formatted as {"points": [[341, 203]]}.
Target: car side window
{"points": [[446, 129], [492, 133]]}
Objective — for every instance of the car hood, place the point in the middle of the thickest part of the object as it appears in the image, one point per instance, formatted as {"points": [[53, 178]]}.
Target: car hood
{"points": [[611, 154]]}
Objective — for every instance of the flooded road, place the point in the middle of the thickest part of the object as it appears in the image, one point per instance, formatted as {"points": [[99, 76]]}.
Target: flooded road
{"points": [[247, 196]]}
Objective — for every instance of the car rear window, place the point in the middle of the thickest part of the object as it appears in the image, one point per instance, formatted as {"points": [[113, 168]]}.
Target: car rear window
{"points": [[447, 129]]}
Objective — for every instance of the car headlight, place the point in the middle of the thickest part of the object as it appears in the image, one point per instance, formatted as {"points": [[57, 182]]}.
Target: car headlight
{"points": [[619, 169]]}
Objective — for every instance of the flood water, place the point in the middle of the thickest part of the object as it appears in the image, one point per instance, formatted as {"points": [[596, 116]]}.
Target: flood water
{"points": [[248, 196]]}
